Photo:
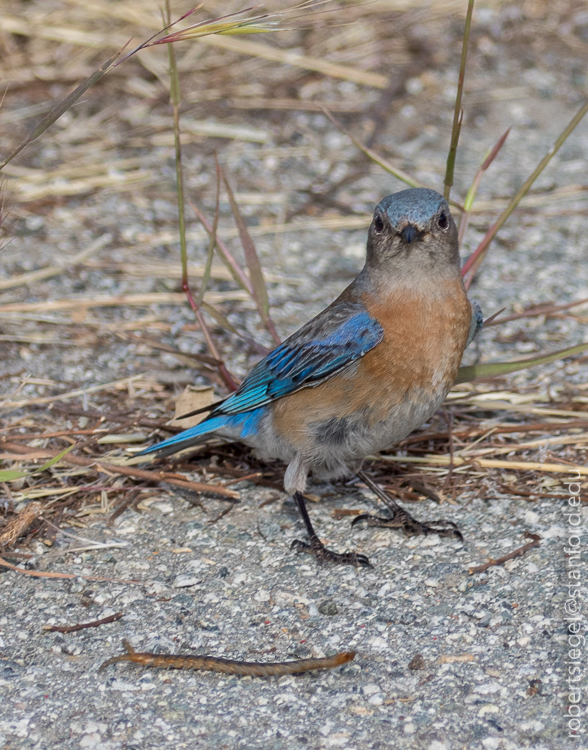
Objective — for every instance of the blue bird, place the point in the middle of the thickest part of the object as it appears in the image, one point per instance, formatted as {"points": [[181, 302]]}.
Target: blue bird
{"points": [[366, 371]]}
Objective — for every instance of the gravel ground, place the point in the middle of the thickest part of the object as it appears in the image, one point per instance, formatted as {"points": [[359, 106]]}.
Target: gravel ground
{"points": [[492, 647]]}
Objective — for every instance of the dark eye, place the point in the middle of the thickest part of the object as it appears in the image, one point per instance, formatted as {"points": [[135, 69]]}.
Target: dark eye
{"points": [[378, 224], [443, 221]]}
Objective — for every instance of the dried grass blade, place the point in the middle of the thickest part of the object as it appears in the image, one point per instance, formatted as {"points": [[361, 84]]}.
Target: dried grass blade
{"points": [[487, 463], [62, 107], [465, 217], [175, 102], [224, 323], [380, 161], [260, 295], [400, 174], [289, 57], [70, 394], [539, 310], [225, 254]]}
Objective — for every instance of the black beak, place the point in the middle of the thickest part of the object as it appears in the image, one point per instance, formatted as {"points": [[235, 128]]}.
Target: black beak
{"points": [[410, 233]]}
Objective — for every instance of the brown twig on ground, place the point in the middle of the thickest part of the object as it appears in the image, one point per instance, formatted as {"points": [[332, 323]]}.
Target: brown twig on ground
{"points": [[245, 478], [498, 430], [529, 495], [69, 576], [239, 474], [510, 556], [149, 476], [83, 625], [224, 512]]}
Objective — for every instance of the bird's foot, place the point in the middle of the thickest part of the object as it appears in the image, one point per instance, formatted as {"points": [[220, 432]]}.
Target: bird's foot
{"points": [[401, 519], [410, 526], [324, 555]]}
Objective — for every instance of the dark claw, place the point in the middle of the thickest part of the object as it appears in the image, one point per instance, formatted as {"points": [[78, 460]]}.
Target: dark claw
{"points": [[324, 555]]}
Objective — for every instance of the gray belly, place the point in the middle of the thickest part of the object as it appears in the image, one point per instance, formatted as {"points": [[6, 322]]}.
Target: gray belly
{"points": [[340, 444], [335, 447]]}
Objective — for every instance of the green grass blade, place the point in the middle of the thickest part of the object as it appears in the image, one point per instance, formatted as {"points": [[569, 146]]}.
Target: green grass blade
{"points": [[212, 240], [472, 373], [225, 254], [54, 460], [11, 475], [260, 295], [458, 111]]}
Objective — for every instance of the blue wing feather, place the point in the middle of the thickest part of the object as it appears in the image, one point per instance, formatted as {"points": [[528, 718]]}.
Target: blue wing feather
{"points": [[325, 345], [308, 357]]}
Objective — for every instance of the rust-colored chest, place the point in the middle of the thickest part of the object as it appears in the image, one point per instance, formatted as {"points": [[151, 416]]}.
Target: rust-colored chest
{"points": [[424, 338]]}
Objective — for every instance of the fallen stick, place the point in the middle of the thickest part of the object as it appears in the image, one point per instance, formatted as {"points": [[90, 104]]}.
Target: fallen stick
{"points": [[510, 556], [41, 574], [149, 476], [83, 625]]}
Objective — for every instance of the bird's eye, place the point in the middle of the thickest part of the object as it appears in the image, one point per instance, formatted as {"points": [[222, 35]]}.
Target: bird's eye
{"points": [[378, 224], [443, 221]]}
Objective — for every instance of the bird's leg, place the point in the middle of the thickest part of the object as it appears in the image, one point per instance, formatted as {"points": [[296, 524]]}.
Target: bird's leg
{"points": [[317, 548], [400, 518]]}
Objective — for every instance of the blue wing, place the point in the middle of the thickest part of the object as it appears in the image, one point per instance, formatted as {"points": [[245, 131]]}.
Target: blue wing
{"points": [[338, 336], [322, 347]]}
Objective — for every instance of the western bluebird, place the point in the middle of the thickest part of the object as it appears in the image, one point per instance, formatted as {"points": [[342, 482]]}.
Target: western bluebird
{"points": [[366, 371]]}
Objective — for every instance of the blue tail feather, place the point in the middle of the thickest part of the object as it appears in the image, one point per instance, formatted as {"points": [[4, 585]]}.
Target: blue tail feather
{"points": [[246, 424]]}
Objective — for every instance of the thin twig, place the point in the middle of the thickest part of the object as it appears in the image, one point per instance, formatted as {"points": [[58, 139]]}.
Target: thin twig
{"points": [[83, 625], [149, 476], [535, 312], [510, 556], [69, 576]]}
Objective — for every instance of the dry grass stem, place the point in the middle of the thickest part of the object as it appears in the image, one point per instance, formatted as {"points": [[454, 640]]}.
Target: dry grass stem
{"points": [[486, 463]]}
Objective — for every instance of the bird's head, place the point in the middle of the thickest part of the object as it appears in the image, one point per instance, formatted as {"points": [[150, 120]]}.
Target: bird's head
{"points": [[413, 230]]}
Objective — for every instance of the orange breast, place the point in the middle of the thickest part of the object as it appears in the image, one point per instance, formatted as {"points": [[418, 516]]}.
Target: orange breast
{"points": [[424, 339]]}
